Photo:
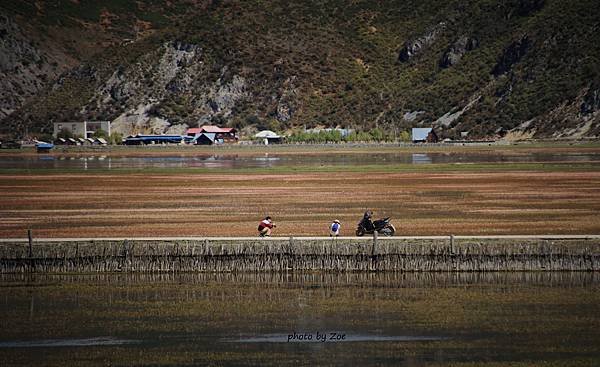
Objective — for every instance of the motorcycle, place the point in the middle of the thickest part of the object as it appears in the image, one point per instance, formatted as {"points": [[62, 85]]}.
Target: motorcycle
{"points": [[382, 226]]}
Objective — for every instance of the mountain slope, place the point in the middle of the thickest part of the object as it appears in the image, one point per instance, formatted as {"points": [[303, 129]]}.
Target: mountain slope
{"points": [[522, 67]]}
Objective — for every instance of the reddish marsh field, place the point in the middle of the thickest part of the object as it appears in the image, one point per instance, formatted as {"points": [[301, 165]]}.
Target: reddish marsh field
{"points": [[185, 203]]}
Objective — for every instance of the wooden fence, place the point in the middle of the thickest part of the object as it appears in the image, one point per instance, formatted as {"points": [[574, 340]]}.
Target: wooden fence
{"points": [[443, 254]]}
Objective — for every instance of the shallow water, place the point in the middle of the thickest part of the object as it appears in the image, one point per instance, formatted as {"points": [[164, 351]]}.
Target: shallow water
{"points": [[247, 319], [54, 343], [329, 337], [274, 160]]}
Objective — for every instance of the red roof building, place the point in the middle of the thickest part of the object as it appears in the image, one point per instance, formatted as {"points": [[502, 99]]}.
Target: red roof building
{"points": [[222, 134]]}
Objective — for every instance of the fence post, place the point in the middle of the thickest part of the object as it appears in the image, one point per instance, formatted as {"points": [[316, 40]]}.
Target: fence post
{"points": [[375, 234], [31, 262], [452, 244], [29, 235]]}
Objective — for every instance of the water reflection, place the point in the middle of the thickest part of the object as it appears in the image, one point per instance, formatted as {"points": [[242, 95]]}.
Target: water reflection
{"points": [[331, 337], [54, 343], [274, 160], [421, 159], [410, 319], [317, 280]]}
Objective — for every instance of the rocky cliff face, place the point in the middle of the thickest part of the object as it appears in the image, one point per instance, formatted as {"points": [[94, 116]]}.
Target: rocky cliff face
{"points": [[155, 81], [511, 55], [591, 102], [415, 46], [167, 69], [458, 49]]}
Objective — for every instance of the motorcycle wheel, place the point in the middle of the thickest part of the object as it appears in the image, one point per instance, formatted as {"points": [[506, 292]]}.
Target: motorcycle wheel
{"points": [[359, 232], [388, 231]]}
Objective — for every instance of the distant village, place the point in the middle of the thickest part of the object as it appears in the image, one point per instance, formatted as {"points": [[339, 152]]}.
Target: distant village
{"points": [[98, 133]]}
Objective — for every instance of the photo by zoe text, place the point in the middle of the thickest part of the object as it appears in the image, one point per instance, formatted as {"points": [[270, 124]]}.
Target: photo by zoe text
{"points": [[316, 337]]}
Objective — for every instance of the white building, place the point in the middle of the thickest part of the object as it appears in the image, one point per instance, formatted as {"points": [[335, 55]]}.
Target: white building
{"points": [[84, 129], [268, 137]]}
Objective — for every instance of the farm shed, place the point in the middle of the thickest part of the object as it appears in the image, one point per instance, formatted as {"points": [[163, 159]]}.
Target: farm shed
{"points": [[151, 139], [424, 135], [204, 139], [222, 134]]}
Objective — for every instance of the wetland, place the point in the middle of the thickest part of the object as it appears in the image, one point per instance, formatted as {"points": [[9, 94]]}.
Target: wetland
{"points": [[377, 318], [202, 160], [407, 319], [225, 191]]}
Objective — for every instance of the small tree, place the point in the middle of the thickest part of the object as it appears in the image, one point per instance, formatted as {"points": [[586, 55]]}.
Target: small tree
{"points": [[273, 125], [377, 134], [359, 136], [65, 134], [115, 138], [100, 134], [405, 136], [45, 137]]}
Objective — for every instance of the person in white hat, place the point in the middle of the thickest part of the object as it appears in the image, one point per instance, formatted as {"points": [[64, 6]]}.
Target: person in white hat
{"points": [[334, 228]]}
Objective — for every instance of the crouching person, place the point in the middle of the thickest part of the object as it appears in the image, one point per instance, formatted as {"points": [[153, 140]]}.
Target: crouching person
{"points": [[334, 228], [265, 227]]}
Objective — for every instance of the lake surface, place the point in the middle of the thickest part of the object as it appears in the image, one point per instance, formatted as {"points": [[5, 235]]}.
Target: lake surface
{"points": [[280, 319], [274, 160]]}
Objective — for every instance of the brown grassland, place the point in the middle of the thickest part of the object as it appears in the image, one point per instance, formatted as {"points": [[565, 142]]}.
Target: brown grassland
{"points": [[129, 204]]}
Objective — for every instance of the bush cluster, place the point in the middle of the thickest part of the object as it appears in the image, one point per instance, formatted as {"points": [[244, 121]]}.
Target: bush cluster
{"points": [[335, 136]]}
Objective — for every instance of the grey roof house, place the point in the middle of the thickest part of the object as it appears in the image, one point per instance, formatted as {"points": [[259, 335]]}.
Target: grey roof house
{"points": [[424, 135]]}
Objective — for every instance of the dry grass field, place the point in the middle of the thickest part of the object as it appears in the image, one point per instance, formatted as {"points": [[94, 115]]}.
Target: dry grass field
{"points": [[231, 204]]}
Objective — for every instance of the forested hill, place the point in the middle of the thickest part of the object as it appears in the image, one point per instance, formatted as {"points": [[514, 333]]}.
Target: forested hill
{"points": [[522, 68]]}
